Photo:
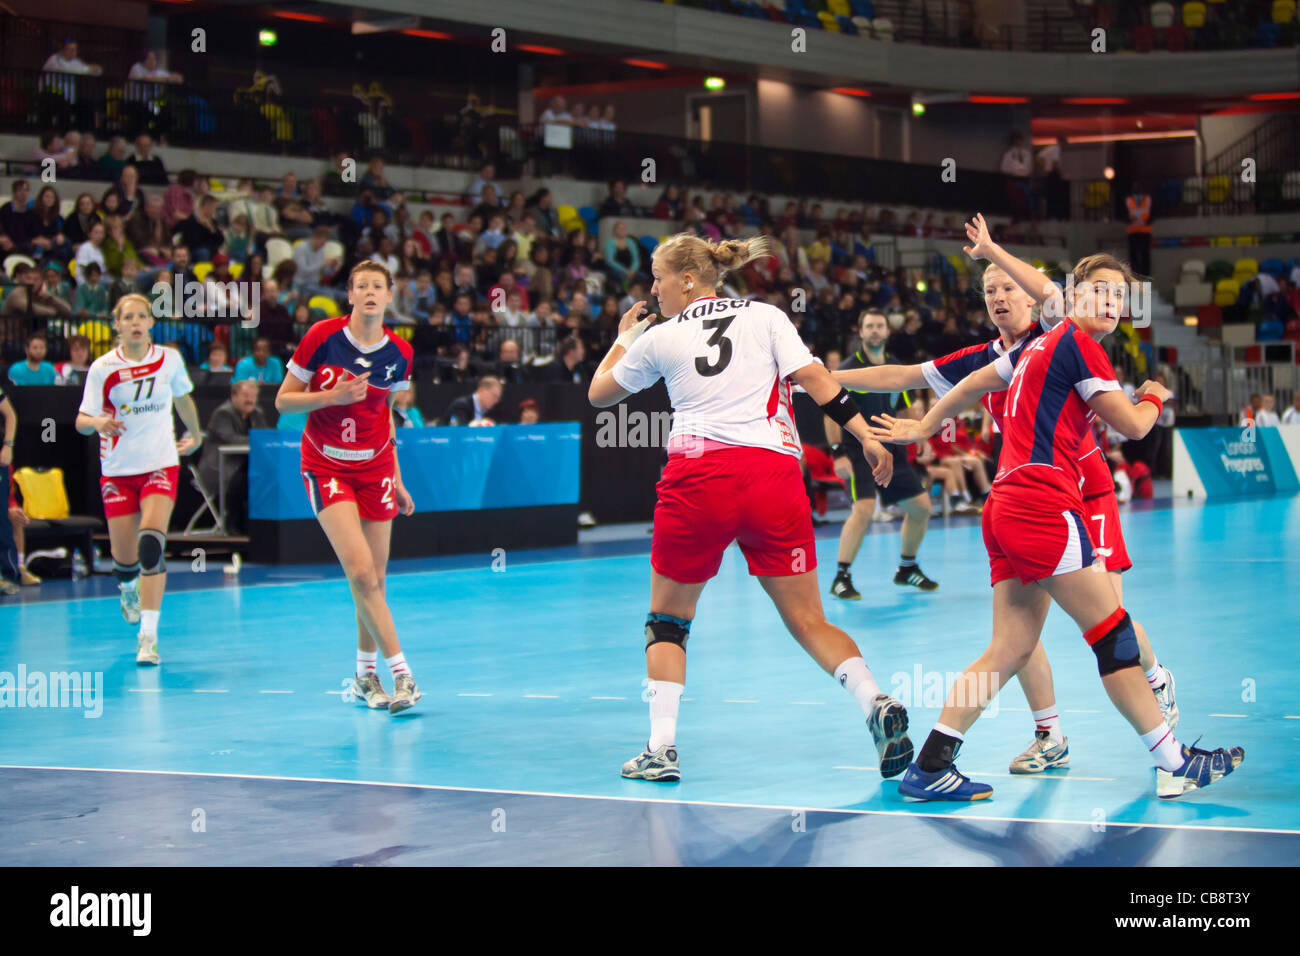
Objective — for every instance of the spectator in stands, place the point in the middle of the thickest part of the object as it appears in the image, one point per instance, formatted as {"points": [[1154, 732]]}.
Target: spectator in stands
{"points": [[67, 61], [128, 192], [230, 424], [114, 159], [178, 198], [218, 359], [375, 179], [92, 250], [29, 298], [84, 164], [77, 225], [528, 412], [473, 409], [48, 238], [493, 236], [117, 246], [516, 208], [262, 367], [622, 255], [405, 412], [557, 112], [125, 283], [671, 204], [56, 280], [1017, 163], [312, 201], [1265, 416], [221, 292], [315, 269], [182, 265], [90, 300], [73, 371], [1138, 205], [544, 213], [263, 217], [148, 232], [567, 365], [607, 122], [150, 167], [33, 370], [508, 367], [461, 318], [489, 205], [386, 255], [1249, 412], [1292, 415], [295, 219], [516, 313], [50, 146], [416, 297], [200, 232], [17, 218], [151, 69], [617, 203], [486, 177]]}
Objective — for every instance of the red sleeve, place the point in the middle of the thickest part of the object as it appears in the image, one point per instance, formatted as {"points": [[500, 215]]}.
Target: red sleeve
{"points": [[306, 355]]}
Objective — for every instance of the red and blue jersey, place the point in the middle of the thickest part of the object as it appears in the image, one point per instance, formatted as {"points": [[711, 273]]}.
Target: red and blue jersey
{"points": [[349, 437], [1046, 420], [945, 372]]}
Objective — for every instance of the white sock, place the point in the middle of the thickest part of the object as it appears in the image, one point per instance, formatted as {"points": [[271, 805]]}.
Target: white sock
{"points": [[855, 677], [366, 661], [665, 697], [949, 732], [149, 622], [1164, 747], [396, 664], [1048, 719], [1156, 676]]}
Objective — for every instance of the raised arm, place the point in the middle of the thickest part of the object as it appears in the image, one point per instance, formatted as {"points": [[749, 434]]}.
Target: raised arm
{"points": [[604, 389], [1131, 419], [881, 378], [964, 394], [1043, 290]]}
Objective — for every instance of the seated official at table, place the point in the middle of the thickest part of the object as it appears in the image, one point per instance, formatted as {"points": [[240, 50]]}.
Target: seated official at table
{"points": [[229, 425], [473, 409], [404, 411]]}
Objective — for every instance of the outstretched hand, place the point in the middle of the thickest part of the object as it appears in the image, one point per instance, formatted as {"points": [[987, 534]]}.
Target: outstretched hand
{"points": [[977, 231]]}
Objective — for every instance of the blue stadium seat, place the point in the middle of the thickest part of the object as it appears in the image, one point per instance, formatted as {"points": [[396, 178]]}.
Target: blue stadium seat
{"points": [[1268, 35], [863, 8], [847, 26], [648, 243], [589, 215], [1274, 267]]}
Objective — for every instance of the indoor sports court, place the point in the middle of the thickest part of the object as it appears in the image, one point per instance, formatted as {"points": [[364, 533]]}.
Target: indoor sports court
{"points": [[512, 758]]}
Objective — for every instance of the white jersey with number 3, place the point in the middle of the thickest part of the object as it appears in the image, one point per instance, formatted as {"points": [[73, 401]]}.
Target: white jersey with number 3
{"points": [[726, 363], [139, 394]]}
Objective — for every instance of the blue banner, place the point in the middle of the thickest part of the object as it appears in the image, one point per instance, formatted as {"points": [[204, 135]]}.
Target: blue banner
{"points": [[1236, 462], [444, 469]]}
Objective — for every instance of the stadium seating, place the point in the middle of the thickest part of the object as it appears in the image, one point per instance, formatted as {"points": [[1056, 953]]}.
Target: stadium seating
{"points": [[1162, 15], [1194, 14], [1190, 291], [1226, 292], [326, 305], [13, 261]]}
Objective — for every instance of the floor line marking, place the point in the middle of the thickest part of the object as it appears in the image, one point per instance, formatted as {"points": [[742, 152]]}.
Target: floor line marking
{"points": [[1225, 715], [211, 691], [544, 696], [694, 803], [145, 690]]}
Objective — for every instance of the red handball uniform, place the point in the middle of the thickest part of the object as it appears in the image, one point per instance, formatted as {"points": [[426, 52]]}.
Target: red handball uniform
{"points": [[1100, 506], [347, 450], [1034, 523]]}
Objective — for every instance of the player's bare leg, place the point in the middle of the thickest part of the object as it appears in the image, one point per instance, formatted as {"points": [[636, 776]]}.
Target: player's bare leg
{"points": [[368, 686], [1159, 679], [916, 518], [1050, 747], [151, 554], [123, 544], [343, 527], [800, 606], [851, 535]]}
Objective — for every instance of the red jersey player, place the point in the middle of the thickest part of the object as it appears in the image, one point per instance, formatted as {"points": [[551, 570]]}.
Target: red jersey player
{"points": [[128, 399], [345, 373], [1035, 533], [733, 475], [1012, 287]]}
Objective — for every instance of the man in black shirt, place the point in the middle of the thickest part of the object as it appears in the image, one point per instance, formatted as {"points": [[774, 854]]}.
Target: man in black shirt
{"points": [[905, 489], [229, 425]]}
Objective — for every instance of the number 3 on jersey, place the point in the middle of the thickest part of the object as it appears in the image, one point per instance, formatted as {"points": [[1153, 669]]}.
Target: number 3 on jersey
{"points": [[719, 341]]}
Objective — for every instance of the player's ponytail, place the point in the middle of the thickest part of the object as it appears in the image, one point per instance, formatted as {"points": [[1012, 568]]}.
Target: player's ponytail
{"points": [[710, 261]]}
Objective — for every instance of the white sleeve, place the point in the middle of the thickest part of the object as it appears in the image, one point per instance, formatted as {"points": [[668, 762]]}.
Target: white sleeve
{"points": [[637, 369], [935, 380], [92, 395], [1005, 367], [181, 384], [788, 349]]}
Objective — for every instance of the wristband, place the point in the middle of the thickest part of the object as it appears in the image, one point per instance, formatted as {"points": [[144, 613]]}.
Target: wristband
{"points": [[1154, 400], [837, 450], [841, 409], [632, 334]]}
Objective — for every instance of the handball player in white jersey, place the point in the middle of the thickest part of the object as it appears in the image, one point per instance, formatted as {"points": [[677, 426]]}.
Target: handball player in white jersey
{"points": [[128, 399], [733, 474]]}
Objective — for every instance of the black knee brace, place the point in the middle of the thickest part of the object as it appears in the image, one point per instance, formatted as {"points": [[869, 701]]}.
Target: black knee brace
{"points": [[1117, 647], [152, 547], [664, 628]]}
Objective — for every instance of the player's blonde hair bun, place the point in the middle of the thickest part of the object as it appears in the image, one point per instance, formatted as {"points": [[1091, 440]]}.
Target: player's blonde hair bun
{"points": [[710, 261]]}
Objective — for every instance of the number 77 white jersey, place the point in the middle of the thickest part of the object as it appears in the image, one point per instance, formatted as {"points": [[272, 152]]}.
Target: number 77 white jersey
{"points": [[139, 394], [726, 363]]}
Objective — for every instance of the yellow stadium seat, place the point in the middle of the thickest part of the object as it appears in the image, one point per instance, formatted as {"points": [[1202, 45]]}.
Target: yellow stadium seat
{"points": [[1283, 11], [839, 8], [1038, 263], [72, 268], [402, 331], [566, 212], [1194, 14], [325, 304], [101, 335], [1218, 188], [1226, 292], [1221, 240], [1098, 195], [202, 270], [43, 493], [1247, 240], [958, 264], [236, 270], [1244, 269], [829, 23]]}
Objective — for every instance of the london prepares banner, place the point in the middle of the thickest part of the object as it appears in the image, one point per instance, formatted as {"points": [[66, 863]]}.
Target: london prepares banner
{"points": [[1236, 462]]}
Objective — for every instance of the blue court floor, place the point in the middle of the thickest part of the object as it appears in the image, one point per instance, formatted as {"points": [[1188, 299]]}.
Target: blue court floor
{"points": [[240, 750]]}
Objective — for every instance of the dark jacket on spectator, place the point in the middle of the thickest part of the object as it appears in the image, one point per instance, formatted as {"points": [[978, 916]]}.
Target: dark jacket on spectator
{"points": [[226, 427], [198, 236], [152, 172], [461, 411]]}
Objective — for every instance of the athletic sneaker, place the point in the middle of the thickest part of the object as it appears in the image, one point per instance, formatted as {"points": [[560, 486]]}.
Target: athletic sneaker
{"points": [[658, 764], [914, 576], [405, 694], [1200, 769], [947, 784], [888, 725], [1165, 698], [131, 600], [1043, 754], [370, 691], [966, 508], [27, 579], [842, 587], [7, 587], [146, 649]]}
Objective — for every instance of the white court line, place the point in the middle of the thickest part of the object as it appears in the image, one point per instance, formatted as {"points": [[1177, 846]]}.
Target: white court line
{"points": [[145, 690], [730, 700], [275, 692], [212, 692], [693, 803], [607, 698], [1291, 717], [1225, 715], [473, 695], [544, 696], [979, 773]]}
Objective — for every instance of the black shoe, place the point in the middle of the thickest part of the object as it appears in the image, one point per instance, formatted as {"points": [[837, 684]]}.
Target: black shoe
{"points": [[914, 576], [843, 587]]}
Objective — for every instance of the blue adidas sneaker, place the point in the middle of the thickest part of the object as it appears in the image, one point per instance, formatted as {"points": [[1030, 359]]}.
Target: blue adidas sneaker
{"points": [[1200, 769], [946, 784]]}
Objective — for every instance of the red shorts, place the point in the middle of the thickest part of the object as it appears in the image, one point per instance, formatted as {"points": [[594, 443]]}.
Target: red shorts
{"points": [[1101, 515], [1032, 543], [753, 496], [122, 493], [371, 488]]}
